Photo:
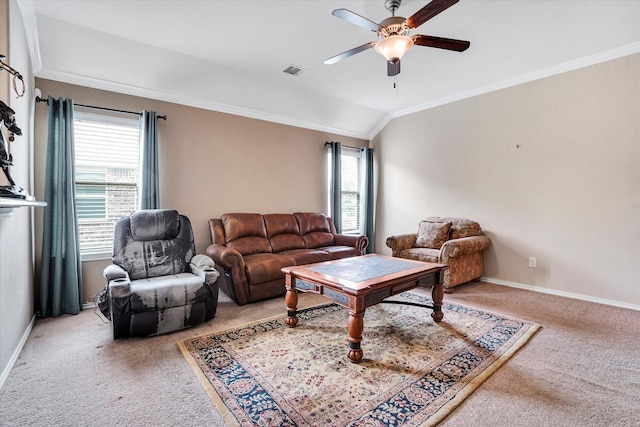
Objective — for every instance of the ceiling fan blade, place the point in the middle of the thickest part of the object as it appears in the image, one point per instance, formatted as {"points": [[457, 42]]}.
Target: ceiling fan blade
{"points": [[356, 19], [350, 52], [393, 68], [429, 11], [441, 43]]}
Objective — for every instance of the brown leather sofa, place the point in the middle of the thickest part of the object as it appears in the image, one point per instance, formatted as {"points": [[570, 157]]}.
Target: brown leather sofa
{"points": [[250, 250]]}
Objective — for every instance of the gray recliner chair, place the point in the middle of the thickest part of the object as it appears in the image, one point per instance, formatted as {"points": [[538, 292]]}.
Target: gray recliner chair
{"points": [[156, 283]]}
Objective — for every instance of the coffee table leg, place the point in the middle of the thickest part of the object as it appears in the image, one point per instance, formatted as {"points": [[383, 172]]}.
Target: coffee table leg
{"points": [[291, 298], [355, 328], [437, 294]]}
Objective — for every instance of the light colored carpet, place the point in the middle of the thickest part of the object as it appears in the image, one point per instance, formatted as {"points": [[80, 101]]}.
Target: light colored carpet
{"points": [[581, 369], [414, 371]]}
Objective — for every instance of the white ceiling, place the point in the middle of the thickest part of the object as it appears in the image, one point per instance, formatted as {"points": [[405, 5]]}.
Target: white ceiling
{"points": [[229, 55]]}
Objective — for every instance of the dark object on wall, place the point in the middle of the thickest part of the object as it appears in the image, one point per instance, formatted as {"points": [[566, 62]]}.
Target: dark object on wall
{"points": [[7, 119]]}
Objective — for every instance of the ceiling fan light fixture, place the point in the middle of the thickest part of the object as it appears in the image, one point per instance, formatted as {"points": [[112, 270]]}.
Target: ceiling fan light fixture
{"points": [[394, 47]]}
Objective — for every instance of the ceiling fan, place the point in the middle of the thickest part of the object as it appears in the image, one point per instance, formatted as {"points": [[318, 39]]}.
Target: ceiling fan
{"points": [[393, 32]]}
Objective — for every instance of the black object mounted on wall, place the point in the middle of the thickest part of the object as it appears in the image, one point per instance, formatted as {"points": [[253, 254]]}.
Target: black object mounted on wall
{"points": [[8, 187]]}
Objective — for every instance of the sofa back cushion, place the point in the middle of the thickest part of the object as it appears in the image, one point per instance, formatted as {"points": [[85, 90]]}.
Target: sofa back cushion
{"points": [[432, 234], [283, 232], [246, 233], [460, 227], [315, 230]]}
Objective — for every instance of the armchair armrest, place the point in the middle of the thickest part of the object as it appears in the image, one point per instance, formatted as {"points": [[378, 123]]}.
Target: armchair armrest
{"points": [[118, 299], [464, 246], [401, 242], [355, 241], [114, 271], [204, 267], [118, 281]]}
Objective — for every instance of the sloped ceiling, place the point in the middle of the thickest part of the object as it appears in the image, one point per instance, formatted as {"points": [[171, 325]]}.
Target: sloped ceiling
{"points": [[229, 55]]}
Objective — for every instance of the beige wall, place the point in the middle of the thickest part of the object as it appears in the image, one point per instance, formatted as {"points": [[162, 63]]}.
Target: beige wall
{"points": [[212, 163], [16, 249], [550, 169]]}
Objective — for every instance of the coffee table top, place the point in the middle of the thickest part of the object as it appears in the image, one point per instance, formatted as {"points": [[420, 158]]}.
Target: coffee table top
{"points": [[361, 272]]}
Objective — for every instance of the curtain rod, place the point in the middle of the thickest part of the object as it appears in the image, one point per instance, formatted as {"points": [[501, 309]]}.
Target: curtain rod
{"points": [[46, 101], [346, 146]]}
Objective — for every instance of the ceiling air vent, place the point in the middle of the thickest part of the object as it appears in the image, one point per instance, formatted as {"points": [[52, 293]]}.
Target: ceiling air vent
{"points": [[294, 70]]}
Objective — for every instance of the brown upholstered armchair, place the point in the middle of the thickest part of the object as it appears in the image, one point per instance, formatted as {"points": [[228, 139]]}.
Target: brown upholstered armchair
{"points": [[459, 243], [157, 283]]}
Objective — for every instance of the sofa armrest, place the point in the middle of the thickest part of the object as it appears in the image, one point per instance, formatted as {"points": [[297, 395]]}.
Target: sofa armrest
{"points": [[401, 242], [355, 241], [233, 263], [204, 267], [459, 247], [226, 257]]}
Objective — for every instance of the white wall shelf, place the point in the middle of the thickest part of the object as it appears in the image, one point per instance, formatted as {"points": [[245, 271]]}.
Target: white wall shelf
{"points": [[8, 204]]}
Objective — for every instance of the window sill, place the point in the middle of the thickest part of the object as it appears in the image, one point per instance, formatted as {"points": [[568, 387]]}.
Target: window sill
{"points": [[103, 256]]}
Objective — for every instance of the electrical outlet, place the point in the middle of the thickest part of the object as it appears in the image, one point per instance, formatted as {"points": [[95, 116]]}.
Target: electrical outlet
{"points": [[532, 262]]}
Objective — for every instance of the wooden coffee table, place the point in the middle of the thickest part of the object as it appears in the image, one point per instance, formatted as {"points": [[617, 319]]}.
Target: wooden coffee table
{"points": [[360, 282]]}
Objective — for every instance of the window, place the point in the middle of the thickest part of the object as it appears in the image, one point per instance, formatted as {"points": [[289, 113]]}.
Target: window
{"points": [[350, 194], [107, 157]]}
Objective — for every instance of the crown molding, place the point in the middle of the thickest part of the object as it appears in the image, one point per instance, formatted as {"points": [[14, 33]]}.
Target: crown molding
{"points": [[70, 78], [29, 19], [31, 33]]}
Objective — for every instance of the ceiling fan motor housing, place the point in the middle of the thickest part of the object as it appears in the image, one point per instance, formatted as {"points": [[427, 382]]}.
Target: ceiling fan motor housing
{"points": [[394, 25]]}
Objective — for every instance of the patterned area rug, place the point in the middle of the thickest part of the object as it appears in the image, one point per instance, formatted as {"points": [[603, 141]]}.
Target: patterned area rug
{"points": [[414, 371]]}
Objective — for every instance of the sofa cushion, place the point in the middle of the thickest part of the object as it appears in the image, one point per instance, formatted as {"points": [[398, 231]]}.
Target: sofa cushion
{"points": [[250, 245], [460, 227], [421, 254], [243, 225], [315, 230], [318, 239], [281, 224], [264, 267], [283, 232], [307, 256], [284, 242], [339, 252], [432, 234], [246, 233], [310, 222]]}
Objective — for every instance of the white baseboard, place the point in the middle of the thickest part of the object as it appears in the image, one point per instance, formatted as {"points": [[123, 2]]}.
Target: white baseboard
{"points": [[16, 353], [560, 293]]}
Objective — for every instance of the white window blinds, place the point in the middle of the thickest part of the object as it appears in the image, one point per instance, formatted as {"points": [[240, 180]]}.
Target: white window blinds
{"points": [[107, 157], [351, 188]]}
